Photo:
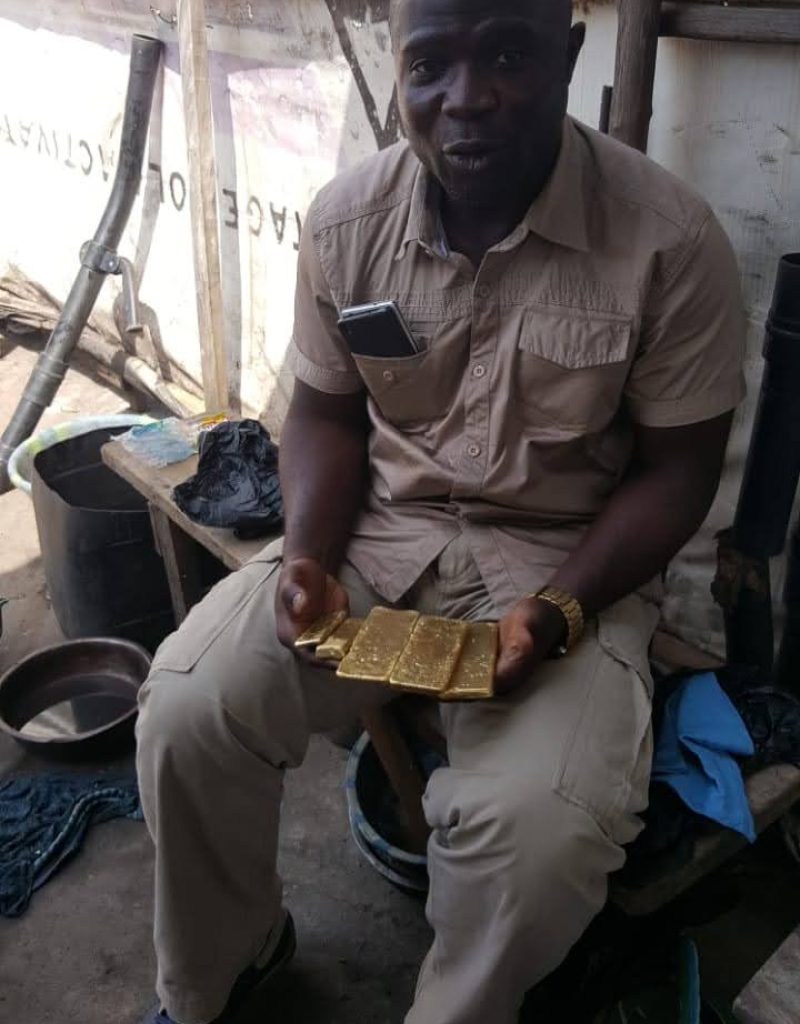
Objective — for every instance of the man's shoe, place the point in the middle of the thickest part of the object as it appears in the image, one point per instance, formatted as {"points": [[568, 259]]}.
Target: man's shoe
{"points": [[249, 983]]}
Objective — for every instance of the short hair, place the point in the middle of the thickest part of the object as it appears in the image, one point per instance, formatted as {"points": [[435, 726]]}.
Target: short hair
{"points": [[394, 7]]}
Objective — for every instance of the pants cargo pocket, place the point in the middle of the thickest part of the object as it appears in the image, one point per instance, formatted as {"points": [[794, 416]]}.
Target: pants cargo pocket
{"points": [[605, 764], [209, 618]]}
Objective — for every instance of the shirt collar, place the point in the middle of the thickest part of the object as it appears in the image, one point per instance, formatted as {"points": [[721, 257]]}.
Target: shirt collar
{"points": [[558, 213], [424, 224]]}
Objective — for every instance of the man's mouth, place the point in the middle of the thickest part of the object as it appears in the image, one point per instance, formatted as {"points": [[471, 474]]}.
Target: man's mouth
{"points": [[472, 155]]}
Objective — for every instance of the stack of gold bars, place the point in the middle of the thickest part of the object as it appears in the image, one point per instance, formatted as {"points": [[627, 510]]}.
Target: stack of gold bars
{"points": [[445, 658]]}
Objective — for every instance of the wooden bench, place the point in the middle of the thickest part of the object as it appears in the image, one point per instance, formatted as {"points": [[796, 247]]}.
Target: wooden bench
{"points": [[771, 792], [773, 995]]}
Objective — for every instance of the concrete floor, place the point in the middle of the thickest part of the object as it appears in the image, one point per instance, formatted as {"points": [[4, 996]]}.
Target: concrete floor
{"points": [[82, 953]]}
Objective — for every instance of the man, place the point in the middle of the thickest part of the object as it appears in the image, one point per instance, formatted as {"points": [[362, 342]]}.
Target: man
{"points": [[562, 426]]}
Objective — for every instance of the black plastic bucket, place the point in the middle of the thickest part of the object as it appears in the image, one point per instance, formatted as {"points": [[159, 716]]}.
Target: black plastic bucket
{"points": [[103, 573]]}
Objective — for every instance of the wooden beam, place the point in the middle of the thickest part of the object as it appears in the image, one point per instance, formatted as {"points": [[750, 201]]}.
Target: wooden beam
{"points": [[634, 73], [760, 24], [203, 199], [773, 995]]}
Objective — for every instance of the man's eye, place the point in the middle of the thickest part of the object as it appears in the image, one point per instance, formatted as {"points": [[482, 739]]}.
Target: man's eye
{"points": [[425, 70], [509, 59]]}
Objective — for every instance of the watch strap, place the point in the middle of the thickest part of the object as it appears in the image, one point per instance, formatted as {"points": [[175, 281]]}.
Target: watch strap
{"points": [[570, 608]]}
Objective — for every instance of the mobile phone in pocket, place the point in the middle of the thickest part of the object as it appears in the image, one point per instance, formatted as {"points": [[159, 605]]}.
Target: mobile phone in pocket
{"points": [[377, 329]]}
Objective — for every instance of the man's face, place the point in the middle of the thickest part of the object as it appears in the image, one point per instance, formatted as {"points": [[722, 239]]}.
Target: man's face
{"points": [[482, 87]]}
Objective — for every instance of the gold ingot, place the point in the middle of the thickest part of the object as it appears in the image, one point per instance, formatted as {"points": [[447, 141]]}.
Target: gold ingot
{"points": [[430, 656], [378, 645], [340, 641], [473, 678], [320, 630]]}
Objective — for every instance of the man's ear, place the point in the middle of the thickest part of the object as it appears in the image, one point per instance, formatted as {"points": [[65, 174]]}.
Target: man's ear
{"points": [[577, 35]]}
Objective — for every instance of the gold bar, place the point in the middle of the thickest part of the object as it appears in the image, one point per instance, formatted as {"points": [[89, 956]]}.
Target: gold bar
{"points": [[426, 664], [378, 645], [340, 641], [320, 630], [473, 678]]}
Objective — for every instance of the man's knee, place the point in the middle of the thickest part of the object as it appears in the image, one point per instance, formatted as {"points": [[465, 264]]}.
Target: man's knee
{"points": [[174, 715], [539, 842]]}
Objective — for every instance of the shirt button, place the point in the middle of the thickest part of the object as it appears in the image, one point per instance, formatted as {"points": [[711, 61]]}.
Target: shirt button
{"points": [[474, 450], [388, 376], [482, 291], [478, 370]]}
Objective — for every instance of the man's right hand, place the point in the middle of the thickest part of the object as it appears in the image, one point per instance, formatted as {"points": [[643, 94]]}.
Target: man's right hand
{"points": [[305, 593]]}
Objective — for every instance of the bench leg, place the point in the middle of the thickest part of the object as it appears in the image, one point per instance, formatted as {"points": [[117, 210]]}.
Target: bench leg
{"points": [[178, 551], [404, 775]]}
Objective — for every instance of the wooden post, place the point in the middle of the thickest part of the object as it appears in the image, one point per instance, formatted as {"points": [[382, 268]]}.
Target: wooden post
{"points": [[203, 199], [634, 74]]}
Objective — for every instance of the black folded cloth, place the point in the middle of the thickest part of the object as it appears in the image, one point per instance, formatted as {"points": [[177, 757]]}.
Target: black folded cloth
{"points": [[236, 484]]}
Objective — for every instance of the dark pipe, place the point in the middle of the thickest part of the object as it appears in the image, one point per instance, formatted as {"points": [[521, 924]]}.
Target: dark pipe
{"points": [[605, 108], [97, 257], [773, 461], [742, 585], [787, 670]]}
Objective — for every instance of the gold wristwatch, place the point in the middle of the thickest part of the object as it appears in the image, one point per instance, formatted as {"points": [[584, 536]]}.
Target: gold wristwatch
{"points": [[570, 608]]}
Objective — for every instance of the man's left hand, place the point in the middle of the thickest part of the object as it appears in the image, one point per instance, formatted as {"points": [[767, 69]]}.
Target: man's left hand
{"points": [[528, 634]]}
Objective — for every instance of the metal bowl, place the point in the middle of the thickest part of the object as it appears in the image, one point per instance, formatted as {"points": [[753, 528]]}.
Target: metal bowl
{"points": [[76, 699]]}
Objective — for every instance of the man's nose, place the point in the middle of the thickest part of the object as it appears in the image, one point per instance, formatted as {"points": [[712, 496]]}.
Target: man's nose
{"points": [[469, 94]]}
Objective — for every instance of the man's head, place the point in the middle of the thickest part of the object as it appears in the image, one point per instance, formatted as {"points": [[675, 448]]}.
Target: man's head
{"points": [[482, 88]]}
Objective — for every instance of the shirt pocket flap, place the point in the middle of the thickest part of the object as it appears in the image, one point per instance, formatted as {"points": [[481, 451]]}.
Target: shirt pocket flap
{"points": [[575, 340], [620, 631], [382, 374]]}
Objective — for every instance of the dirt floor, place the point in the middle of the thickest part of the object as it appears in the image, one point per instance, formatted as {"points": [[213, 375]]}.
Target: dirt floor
{"points": [[82, 953]]}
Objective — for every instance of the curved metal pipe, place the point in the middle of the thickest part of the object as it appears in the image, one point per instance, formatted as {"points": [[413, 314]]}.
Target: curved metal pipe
{"points": [[98, 257]]}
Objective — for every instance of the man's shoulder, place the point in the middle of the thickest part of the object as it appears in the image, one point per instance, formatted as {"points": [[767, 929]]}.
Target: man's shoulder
{"points": [[623, 177], [376, 186]]}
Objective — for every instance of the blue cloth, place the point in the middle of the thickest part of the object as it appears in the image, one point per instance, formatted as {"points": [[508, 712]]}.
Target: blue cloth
{"points": [[700, 738], [43, 821]]}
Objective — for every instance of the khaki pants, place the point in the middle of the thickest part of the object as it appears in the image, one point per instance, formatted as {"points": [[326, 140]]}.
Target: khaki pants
{"points": [[528, 820]]}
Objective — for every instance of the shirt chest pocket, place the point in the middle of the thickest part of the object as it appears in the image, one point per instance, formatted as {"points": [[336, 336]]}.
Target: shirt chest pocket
{"points": [[571, 368], [414, 389]]}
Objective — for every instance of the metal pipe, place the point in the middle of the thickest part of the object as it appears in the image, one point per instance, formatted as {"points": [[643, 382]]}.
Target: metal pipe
{"points": [[773, 460], [787, 669], [772, 471], [98, 256]]}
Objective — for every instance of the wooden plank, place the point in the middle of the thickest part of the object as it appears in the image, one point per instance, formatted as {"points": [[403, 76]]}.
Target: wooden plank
{"points": [[634, 72], [731, 24], [402, 771], [202, 171], [156, 485], [770, 792], [773, 995], [674, 653], [179, 554]]}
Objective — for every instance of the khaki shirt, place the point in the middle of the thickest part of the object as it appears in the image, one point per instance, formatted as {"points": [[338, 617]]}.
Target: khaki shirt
{"points": [[616, 301]]}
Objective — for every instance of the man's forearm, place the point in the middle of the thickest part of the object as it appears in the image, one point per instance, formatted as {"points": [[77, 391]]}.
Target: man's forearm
{"points": [[649, 517], [323, 473], [646, 522]]}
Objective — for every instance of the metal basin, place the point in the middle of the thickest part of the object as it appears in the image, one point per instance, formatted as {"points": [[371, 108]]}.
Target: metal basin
{"points": [[76, 699]]}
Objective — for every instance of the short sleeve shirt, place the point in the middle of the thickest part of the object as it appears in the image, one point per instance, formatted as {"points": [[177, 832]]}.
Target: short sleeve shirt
{"points": [[615, 302]]}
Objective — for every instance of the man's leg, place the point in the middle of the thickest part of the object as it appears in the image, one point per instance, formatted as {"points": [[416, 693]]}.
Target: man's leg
{"points": [[225, 710], [530, 817]]}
